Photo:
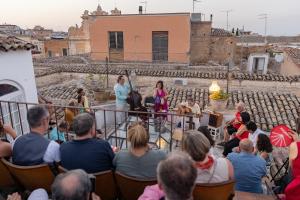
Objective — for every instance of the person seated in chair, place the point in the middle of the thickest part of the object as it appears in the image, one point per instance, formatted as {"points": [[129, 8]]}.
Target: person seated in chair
{"points": [[85, 151], [249, 169], [194, 110], [176, 178], [5, 146], [139, 161], [33, 148]]}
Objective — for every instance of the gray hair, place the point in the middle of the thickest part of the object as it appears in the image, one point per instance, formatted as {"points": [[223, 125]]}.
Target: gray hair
{"points": [[35, 115], [82, 124], [177, 175], [72, 185], [246, 145]]}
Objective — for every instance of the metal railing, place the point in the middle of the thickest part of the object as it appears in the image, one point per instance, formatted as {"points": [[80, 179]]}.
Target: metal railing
{"points": [[160, 126]]}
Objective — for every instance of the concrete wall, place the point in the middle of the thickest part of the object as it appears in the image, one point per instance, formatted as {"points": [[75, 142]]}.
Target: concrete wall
{"points": [[137, 35], [17, 67], [289, 67], [222, 49]]}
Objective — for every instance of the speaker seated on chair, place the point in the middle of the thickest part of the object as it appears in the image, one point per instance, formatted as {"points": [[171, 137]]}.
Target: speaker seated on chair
{"points": [[215, 119]]}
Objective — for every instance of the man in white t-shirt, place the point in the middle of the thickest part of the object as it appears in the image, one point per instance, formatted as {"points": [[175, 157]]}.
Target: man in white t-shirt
{"points": [[254, 132]]}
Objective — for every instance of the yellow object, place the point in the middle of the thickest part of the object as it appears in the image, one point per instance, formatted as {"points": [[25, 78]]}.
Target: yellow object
{"points": [[214, 87]]}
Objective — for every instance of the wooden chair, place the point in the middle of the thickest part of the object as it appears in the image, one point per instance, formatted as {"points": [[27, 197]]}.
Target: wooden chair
{"points": [[215, 191], [131, 188], [31, 177], [105, 185], [6, 180]]}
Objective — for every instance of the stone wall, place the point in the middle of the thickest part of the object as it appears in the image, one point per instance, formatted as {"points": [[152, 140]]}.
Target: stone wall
{"points": [[222, 49]]}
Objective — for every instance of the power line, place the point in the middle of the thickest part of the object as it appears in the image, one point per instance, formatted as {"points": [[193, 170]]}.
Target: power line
{"points": [[195, 1], [264, 16], [227, 17]]}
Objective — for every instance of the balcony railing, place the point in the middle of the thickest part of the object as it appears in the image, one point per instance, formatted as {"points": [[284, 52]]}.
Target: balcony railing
{"points": [[160, 126]]}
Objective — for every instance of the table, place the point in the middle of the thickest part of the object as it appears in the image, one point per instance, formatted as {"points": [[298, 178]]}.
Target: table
{"points": [[251, 196]]}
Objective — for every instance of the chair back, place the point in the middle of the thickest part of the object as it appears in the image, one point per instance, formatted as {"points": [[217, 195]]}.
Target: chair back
{"points": [[131, 188], [105, 185], [6, 180], [32, 177], [215, 191]]}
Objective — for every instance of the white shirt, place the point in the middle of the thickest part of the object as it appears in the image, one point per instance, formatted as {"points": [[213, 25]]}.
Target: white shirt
{"points": [[253, 136]]}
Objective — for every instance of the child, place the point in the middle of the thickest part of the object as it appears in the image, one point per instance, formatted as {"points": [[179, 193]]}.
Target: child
{"points": [[58, 133]]}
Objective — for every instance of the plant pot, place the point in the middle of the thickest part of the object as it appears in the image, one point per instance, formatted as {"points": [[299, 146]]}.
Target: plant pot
{"points": [[101, 95], [218, 105]]}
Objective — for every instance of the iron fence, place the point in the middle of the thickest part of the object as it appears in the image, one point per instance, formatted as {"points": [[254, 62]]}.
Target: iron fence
{"points": [[160, 126]]}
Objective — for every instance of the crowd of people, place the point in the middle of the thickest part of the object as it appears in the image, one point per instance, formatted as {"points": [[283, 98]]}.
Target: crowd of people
{"points": [[246, 157]]}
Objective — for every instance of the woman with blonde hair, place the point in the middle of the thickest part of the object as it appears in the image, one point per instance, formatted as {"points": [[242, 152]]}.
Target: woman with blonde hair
{"points": [[210, 169], [139, 160]]}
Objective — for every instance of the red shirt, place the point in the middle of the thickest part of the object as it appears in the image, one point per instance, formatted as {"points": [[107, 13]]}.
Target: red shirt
{"points": [[237, 120], [244, 135]]}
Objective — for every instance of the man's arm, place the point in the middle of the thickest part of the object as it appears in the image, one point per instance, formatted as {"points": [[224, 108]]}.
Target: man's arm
{"points": [[52, 153]]}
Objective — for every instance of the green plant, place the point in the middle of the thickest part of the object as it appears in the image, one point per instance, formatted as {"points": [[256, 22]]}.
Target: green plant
{"points": [[220, 95]]}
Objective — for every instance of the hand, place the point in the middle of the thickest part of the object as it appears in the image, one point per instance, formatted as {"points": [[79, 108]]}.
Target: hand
{"points": [[95, 197], [9, 130], [294, 135], [14, 196]]}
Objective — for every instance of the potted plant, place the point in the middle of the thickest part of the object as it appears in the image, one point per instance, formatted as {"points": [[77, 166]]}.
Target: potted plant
{"points": [[218, 100]]}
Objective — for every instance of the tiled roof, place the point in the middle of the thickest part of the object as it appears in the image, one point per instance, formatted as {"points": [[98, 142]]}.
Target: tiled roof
{"points": [[220, 32], [11, 43]]}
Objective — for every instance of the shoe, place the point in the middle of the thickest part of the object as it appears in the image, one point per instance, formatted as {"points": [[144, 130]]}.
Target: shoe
{"points": [[221, 144]]}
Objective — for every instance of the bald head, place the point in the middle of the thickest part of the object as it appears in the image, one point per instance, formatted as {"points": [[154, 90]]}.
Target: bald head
{"points": [[72, 185], [240, 106], [246, 145]]}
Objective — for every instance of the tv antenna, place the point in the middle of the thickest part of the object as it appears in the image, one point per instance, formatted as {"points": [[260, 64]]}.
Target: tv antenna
{"points": [[227, 17], [195, 1], [145, 3], [264, 16]]}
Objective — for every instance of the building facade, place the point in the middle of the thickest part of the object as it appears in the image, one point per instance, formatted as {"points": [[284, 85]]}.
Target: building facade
{"points": [[56, 47]]}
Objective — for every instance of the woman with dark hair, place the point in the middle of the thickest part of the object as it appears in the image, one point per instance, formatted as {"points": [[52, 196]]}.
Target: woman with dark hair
{"points": [[206, 132], [160, 98], [242, 133], [264, 147]]}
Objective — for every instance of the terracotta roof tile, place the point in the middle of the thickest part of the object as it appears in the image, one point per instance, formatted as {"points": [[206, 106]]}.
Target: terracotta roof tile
{"points": [[11, 43], [220, 32]]}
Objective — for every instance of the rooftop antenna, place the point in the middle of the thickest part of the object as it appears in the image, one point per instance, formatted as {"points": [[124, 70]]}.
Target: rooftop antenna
{"points": [[195, 1], [264, 16], [145, 3], [227, 17]]}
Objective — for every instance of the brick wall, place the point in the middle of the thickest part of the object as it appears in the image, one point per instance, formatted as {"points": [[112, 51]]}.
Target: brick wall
{"points": [[55, 47]]}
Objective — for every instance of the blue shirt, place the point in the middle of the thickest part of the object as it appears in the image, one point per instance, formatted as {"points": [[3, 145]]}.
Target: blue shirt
{"points": [[91, 155], [121, 92], [248, 171], [55, 135]]}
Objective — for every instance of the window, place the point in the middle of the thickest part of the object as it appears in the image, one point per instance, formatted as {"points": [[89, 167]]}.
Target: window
{"points": [[116, 40], [49, 54], [65, 52]]}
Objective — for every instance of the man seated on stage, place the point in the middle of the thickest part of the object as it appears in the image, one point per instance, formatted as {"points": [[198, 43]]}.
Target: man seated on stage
{"points": [[33, 148], [233, 125], [191, 108], [85, 151]]}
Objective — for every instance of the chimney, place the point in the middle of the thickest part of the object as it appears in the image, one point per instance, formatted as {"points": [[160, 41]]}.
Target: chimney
{"points": [[211, 17], [140, 10]]}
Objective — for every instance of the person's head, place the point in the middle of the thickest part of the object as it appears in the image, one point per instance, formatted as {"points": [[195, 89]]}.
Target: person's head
{"points": [[72, 185], [72, 102], [63, 127], [251, 127], [206, 132], [83, 124], [196, 145], [121, 80], [137, 136], [246, 146], [245, 117], [160, 85], [38, 118], [264, 143], [80, 92], [176, 176], [240, 106], [190, 101]]}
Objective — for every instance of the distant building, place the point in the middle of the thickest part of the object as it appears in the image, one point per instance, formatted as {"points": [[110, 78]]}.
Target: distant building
{"points": [[10, 29], [39, 32], [56, 47], [17, 80]]}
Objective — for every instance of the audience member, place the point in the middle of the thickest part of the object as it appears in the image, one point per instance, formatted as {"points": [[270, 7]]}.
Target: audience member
{"points": [[248, 168], [253, 132], [33, 148], [233, 125], [242, 133], [293, 188], [73, 185], [209, 169], [139, 161], [83, 100], [58, 133], [85, 151], [206, 132], [5, 146], [264, 147], [176, 179]]}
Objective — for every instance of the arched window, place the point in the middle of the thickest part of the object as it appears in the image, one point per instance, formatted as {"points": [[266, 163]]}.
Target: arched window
{"points": [[7, 89]]}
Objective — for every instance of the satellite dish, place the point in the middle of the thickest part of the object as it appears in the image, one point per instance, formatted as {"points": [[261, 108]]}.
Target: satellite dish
{"points": [[279, 58]]}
